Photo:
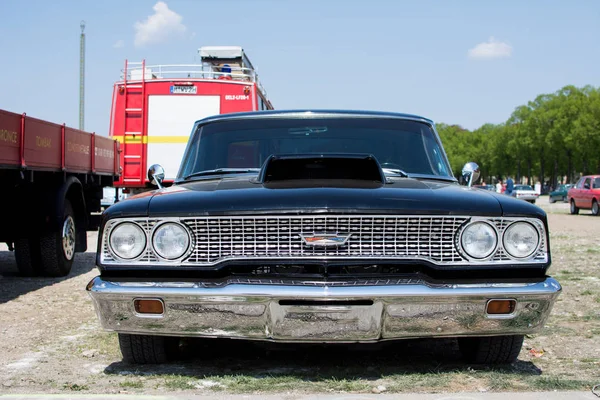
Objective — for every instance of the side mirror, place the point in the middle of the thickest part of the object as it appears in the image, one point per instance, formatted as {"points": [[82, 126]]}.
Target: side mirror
{"points": [[470, 173], [156, 174]]}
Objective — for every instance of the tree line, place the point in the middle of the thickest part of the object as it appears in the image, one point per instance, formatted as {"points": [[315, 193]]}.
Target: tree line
{"points": [[552, 139]]}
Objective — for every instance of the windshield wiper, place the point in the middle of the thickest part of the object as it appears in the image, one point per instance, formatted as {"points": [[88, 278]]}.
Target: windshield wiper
{"points": [[395, 171], [221, 171]]}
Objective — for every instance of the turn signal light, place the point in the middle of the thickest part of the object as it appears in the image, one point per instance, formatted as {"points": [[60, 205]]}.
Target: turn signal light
{"points": [[496, 307], [148, 306]]}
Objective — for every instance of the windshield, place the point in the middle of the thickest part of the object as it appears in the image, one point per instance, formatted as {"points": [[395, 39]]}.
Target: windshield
{"points": [[399, 145]]}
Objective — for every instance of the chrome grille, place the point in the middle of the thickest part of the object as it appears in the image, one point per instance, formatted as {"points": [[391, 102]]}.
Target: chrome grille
{"points": [[430, 238], [222, 238]]}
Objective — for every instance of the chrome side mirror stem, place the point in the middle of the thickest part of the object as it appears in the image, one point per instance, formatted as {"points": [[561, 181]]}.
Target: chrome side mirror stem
{"points": [[470, 173], [156, 175]]}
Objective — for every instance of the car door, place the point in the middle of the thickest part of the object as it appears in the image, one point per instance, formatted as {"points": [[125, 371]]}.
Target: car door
{"points": [[575, 193], [595, 192], [586, 193]]}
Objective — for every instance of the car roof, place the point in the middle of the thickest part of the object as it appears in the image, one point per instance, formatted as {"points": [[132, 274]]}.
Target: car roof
{"points": [[304, 113]]}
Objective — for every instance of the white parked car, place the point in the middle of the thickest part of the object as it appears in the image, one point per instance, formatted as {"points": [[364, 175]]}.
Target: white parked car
{"points": [[108, 198], [525, 192]]}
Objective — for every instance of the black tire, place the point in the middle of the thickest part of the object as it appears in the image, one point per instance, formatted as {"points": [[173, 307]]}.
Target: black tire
{"points": [[491, 350], [144, 349], [595, 208], [28, 256], [573, 209], [551, 200], [54, 261]]}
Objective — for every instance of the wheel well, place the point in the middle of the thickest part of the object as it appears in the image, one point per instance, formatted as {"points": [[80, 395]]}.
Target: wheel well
{"points": [[75, 196]]}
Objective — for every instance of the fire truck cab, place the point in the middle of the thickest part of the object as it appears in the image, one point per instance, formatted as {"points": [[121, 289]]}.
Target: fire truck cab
{"points": [[155, 106]]}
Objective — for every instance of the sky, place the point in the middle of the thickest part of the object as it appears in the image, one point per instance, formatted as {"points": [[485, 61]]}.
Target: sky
{"points": [[458, 62]]}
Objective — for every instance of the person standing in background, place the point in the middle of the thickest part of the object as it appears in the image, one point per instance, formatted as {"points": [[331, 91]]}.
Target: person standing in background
{"points": [[499, 186], [509, 186]]}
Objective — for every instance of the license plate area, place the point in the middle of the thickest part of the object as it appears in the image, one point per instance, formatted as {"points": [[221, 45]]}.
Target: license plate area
{"points": [[325, 319]]}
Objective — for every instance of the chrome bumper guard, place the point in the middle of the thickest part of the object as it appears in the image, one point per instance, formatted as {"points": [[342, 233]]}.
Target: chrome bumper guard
{"points": [[322, 313]]}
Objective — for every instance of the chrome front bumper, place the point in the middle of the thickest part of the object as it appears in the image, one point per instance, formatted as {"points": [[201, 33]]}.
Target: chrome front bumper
{"points": [[319, 313]]}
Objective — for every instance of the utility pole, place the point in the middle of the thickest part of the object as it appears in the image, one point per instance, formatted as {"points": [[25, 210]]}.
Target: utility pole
{"points": [[82, 76]]}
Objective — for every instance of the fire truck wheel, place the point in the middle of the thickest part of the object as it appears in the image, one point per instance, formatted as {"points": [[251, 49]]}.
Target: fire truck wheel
{"points": [[58, 247], [28, 256]]}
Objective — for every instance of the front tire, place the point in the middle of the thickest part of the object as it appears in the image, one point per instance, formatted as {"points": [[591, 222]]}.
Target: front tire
{"points": [[58, 247], [595, 208], [145, 349], [574, 209], [491, 350]]}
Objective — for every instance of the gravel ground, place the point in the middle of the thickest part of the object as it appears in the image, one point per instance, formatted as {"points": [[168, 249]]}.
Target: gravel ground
{"points": [[52, 343]]}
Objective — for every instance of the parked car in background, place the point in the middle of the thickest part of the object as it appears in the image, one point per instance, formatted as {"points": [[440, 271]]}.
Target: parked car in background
{"points": [[491, 188], [560, 194], [525, 192], [585, 194]]}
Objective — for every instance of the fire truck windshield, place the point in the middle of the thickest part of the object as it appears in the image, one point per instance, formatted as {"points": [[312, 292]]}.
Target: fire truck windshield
{"points": [[401, 146]]}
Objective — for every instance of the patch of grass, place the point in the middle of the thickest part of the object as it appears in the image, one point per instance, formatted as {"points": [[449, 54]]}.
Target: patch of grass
{"points": [[586, 292], [105, 342], [597, 299], [75, 387], [556, 383], [132, 384], [178, 382], [566, 272], [592, 250]]}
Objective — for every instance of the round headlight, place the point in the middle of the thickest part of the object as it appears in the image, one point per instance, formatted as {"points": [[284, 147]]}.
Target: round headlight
{"points": [[479, 240], [127, 240], [170, 240], [521, 239]]}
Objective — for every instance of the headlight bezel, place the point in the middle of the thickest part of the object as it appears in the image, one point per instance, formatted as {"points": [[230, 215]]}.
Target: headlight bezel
{"points": [[462, 249], [537, 247], [110, 245], [177, 222]]}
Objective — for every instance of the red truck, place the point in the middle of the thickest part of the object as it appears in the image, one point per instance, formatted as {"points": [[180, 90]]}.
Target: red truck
{"points": [[52, 179]]}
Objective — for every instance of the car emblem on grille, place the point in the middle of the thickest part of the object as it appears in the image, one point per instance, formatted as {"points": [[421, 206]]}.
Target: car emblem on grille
{"points": [[325, 240]]}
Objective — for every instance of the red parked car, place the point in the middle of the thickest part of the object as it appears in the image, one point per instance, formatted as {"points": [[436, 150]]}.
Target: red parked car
{"points": [[585, 194]]}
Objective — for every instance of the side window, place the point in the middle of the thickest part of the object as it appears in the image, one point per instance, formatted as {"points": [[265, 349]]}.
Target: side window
{"points": [[588, 183], [596, 183], [580, 183]]}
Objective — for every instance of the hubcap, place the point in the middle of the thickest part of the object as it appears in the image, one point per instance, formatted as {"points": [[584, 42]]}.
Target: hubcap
{"points": [[68, 238]]}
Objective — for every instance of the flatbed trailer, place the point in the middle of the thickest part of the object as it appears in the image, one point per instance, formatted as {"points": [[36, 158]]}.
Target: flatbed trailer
{"points": [[52, 180]]}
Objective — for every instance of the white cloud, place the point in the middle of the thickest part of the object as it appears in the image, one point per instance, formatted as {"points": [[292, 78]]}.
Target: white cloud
{"points": [[119, 44], [491, 49], [158, 27]]}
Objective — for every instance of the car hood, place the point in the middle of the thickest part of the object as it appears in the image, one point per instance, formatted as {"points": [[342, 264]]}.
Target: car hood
{"points": [[243, 195]]}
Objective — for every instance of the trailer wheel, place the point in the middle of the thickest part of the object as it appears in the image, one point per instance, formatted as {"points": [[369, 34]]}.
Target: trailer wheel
{"points": [[28, 256], [58, 247]]}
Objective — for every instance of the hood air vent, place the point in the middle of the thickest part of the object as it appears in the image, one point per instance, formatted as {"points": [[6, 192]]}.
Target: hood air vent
{"points": [[319, 168]]}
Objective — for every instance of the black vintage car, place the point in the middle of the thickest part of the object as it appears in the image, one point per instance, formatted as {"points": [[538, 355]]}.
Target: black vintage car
{"points": [[321, 226]]}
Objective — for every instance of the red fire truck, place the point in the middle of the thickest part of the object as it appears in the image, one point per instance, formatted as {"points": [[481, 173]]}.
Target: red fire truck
{"points": [[52, 178], [155, 106]]}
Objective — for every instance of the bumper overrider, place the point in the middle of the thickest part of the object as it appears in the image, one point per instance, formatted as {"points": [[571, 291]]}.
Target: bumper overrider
{"points": [[322, 312]]}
